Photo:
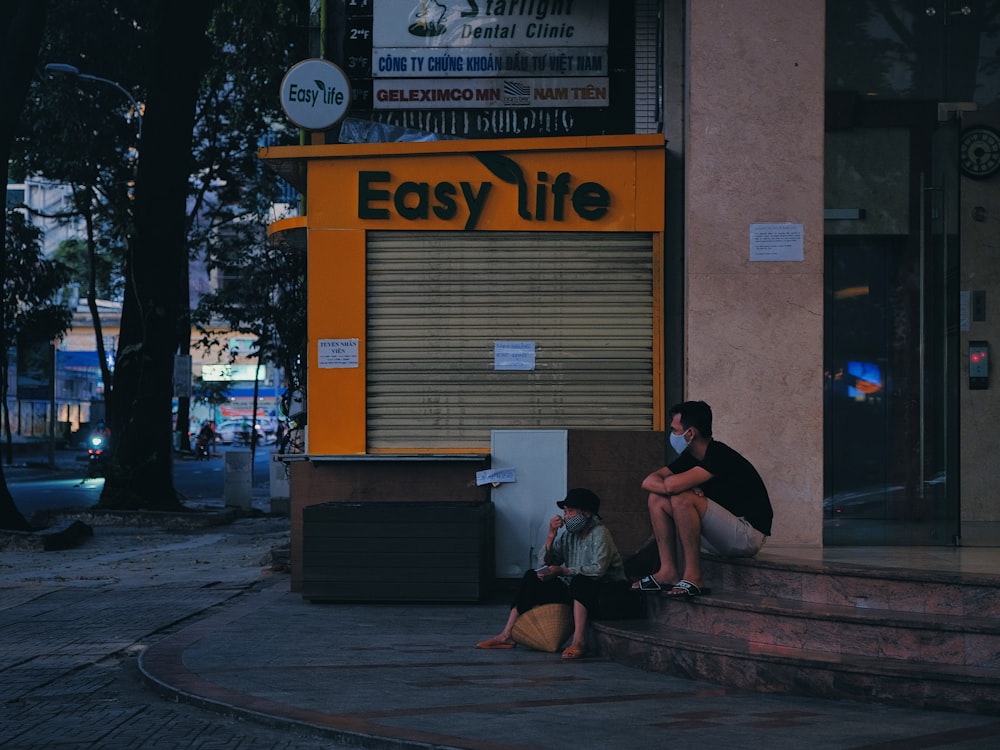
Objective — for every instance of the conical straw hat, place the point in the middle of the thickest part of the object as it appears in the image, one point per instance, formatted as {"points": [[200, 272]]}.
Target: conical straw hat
{"points": [[545, 627]]}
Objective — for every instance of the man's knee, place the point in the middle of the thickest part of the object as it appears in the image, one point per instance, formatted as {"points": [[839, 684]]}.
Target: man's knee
{"points": [[658, 503], [690, 499]]}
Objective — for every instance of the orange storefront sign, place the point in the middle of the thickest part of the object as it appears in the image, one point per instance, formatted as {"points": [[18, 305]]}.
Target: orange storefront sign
{"points": [[600, 183], [584, 184]]}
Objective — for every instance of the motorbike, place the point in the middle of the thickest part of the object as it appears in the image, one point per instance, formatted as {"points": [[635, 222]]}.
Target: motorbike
{"points": [[96, 445], [201, 448]]}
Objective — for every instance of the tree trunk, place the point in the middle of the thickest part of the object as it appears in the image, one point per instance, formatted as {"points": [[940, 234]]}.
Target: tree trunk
{"points": [[21, 26], [95, 316], [184, 349], [141, 471]]}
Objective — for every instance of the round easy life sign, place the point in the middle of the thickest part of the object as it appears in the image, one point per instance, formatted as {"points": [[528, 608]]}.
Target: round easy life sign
{"points": [[315, 94]]}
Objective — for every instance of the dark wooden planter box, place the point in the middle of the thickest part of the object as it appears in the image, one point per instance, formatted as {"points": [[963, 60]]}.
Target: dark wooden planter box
{"points": [[397, 551]]}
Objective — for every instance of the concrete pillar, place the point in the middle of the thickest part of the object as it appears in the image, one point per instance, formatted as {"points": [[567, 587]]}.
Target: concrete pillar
{"points": [[238, 485]]}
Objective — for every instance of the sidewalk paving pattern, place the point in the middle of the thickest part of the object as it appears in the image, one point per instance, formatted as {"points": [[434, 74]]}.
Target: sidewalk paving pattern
{"points": [[72, 624], [409, 673], [125, 641]]}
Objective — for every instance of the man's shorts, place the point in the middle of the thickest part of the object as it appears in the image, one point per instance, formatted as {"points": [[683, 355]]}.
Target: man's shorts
{"points": [[724, 534]]}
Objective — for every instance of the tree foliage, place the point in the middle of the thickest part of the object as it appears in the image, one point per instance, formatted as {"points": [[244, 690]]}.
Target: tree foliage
{"points": [[211, 393], [267, 299], [74, 256], [21, 26], [31, 285], [32, 310], [264, 292], [84, 133], [207, 75]]}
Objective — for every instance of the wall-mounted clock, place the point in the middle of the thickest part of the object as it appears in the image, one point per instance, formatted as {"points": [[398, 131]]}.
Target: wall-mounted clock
{"points": [[979, 152]]}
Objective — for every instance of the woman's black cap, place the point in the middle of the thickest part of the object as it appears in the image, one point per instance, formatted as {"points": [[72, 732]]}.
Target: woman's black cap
{"points": [[581, 499]]}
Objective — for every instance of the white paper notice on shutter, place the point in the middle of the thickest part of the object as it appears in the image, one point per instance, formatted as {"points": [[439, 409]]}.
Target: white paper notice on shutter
{"points": [[513, 355], [337, 353]]}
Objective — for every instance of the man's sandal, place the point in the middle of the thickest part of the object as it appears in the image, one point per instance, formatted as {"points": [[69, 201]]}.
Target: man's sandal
{"points": [[647, 583], [684, 589]]}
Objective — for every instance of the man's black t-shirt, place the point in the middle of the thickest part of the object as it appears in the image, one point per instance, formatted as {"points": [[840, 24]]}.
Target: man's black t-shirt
{"points": [[735, 484]]}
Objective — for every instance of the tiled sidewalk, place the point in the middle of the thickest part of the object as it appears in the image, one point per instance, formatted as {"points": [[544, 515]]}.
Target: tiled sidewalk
{"points": [[383, 675]]}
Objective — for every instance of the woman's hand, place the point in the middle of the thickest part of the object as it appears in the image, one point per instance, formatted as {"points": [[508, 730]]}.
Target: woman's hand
{"points": [[549, 572], [555, 523]]}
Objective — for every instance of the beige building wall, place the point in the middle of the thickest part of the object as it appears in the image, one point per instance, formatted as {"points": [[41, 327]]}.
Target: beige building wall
{"points": [[754, 330]]}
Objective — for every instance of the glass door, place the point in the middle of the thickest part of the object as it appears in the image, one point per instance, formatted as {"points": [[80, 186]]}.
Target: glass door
{"points": [[902, 80], [891, 329]]}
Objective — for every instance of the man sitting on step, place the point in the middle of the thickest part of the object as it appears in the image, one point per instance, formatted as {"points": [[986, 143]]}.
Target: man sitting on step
{"points": [[710, 498]]}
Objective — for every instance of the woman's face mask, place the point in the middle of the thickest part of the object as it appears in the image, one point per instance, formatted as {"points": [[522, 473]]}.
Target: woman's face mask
{"points": [[575, 524]]}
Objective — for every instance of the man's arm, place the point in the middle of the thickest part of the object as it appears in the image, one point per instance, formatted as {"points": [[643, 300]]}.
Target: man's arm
{"points": [[665, 482], [655, 482], [686, 480]]}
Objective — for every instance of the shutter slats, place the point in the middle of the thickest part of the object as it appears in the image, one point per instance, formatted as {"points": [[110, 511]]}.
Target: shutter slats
{"points": [[437, 302]]}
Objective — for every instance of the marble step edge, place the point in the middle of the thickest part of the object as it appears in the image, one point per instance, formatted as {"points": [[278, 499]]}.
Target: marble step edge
{"points": [[790, 563], [799, 609], [668, 639]]}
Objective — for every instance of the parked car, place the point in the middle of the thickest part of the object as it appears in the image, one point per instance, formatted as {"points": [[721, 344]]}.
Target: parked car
{"points": [[231, 431]]}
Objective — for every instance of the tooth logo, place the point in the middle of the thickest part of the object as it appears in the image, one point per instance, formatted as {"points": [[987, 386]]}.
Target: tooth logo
{"points": [[315, 94], [427, 19]]}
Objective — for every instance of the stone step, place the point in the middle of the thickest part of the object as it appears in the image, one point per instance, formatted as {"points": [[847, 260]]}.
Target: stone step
{"points": [[776, 622], [863, 587], [737, 662]]}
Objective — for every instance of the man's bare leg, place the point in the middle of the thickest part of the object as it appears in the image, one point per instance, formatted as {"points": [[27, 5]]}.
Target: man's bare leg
{"points": [[688, 509], [664, 530]]}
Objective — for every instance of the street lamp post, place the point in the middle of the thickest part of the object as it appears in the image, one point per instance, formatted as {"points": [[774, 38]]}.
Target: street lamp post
{"points": [[72, 70]]}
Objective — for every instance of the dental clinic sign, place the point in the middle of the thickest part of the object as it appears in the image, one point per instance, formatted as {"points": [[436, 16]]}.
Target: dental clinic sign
{"points": [[315, 94], [490, 54]]}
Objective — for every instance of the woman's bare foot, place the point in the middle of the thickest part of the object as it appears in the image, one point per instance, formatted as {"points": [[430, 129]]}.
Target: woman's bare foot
{"points": [[498, 641]]}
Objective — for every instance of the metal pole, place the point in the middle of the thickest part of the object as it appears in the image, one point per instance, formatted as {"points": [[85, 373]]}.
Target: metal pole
{"points": [[72, 70], [52, 409]]}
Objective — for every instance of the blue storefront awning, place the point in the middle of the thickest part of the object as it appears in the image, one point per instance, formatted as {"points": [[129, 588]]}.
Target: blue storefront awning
{"points": [[74, 364]]}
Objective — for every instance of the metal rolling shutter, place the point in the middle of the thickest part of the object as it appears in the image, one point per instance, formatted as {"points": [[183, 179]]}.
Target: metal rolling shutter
{"points": [[437, 302]]}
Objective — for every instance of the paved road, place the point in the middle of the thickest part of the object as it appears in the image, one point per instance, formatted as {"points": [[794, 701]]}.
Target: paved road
{"points": [[73, 622], [37, 487]]}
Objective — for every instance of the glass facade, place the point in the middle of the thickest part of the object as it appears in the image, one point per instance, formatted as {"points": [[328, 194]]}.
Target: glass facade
{"points": [[902, 77]]}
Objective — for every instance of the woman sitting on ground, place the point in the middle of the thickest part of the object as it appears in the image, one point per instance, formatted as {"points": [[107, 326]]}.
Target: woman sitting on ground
{"points": [[582, 567]]}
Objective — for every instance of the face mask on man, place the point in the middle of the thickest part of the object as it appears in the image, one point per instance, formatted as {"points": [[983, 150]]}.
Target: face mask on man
{"points": [[678, 443], [575, 524]]}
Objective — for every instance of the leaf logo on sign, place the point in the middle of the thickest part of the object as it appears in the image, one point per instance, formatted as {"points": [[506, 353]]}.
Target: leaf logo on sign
{"points": [[502, 167], [508, 170]]}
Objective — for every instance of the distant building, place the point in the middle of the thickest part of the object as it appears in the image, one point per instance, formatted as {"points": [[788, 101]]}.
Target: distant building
{"points": [[43, 198]]}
